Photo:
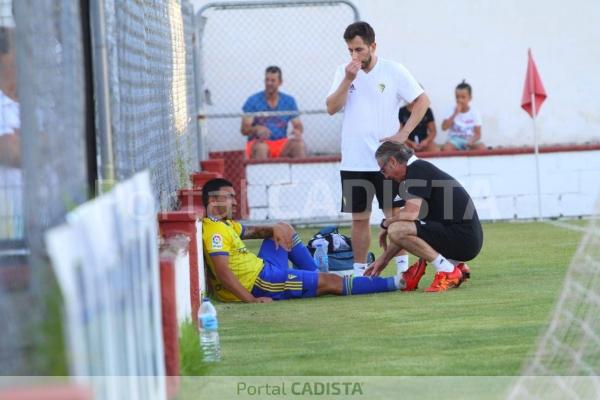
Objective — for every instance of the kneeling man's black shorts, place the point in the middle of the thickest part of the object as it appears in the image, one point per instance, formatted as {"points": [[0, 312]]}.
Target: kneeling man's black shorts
{"points": [[457, 241], [359, 187]]}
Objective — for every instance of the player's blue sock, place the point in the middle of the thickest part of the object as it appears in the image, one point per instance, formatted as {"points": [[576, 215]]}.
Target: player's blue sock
{"points": [[367, 284], [300, 256]]}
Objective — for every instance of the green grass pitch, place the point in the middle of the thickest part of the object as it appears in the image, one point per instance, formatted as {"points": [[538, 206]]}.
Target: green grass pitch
{"points": [[486, 327]]}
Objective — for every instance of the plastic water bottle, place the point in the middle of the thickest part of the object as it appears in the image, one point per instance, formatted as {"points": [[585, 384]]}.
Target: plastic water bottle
{"points": [[321, 258], [209, 334]]}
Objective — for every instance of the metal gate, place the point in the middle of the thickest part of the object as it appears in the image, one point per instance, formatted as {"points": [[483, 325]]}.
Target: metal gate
{"points": [[237, 41]]}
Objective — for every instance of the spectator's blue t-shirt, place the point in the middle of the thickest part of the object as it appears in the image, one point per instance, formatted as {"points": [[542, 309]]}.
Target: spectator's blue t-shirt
{"points": [[276, 124]]}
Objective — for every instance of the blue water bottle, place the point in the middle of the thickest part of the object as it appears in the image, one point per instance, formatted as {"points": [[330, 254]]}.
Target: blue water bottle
{"points": [[321, 258]]}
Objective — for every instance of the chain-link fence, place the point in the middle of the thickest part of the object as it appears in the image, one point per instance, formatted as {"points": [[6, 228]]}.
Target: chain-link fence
{"points": [[152, 92], [239, 41]]}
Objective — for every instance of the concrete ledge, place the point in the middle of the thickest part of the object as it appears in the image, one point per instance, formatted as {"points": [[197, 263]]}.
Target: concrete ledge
{"points": [[426, 154]]}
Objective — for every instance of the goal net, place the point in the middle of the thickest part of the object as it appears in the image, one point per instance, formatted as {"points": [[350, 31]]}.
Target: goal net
{"points": [[566, 363]]}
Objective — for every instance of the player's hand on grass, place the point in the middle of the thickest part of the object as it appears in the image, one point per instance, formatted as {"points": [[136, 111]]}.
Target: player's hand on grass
{"points": [[375, 268], [282, 235], [262, 300]]}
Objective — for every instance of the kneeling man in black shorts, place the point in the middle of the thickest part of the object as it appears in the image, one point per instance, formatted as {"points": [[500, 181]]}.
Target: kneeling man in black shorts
{"points": [[439, 222]]}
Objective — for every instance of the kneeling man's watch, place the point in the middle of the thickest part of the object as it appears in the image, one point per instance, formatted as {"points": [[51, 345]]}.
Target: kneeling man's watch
{"points": [[382, 225]]}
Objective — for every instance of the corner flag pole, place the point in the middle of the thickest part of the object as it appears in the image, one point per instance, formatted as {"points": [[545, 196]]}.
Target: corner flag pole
{"points": [[532, 90]]}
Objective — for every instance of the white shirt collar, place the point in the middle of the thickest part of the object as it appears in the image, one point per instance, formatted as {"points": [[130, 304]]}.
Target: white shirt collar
{"points": [[412, 159]]}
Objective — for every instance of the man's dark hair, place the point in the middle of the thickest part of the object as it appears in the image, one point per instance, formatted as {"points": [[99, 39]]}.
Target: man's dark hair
{"points": [[214, 185], [401, 152], [274, 69], [464, 85], [361, 29]]}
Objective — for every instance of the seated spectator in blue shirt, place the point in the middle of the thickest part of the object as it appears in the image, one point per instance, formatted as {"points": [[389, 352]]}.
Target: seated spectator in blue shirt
{"points": [[267, 135]]}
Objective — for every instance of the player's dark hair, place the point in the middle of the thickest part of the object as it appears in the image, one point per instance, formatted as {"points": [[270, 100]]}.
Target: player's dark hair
{"points": [[464, 85], [212, 186], [401, 152], [361, 29], [274, 69]]}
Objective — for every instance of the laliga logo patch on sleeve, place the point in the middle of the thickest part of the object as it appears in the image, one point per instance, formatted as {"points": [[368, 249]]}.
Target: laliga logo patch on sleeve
{"points": [[217, 241]]}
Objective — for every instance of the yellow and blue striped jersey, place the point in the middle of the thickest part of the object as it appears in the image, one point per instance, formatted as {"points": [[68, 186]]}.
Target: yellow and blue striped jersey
{"points": [[223, 238]]}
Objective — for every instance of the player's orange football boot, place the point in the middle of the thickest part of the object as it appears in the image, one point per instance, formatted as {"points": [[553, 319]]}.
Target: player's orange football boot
{"points": [[466, 272], [413, 275], [445, 280]]}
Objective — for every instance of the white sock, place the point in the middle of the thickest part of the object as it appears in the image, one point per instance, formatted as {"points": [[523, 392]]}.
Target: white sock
{"points": [[401, 264], [454, 262], [442, 265], [359, 269], [400, 283]]}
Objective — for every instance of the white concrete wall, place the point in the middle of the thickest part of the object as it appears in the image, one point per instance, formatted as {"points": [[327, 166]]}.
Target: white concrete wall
{"points": [[502, 187], [486, 42], [182, 286]]}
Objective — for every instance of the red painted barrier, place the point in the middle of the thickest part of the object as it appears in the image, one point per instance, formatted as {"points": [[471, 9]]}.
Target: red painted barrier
{"points": [[190, 199], [168, 254], [216, 165], [200, 178], [183, 222]]}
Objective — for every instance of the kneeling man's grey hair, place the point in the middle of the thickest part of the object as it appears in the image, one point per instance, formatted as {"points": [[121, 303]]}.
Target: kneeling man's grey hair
{"points": [[399, 151]]}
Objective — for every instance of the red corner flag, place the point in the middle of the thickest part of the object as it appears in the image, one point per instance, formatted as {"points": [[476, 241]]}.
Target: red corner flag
{"points": [[533, 89]]}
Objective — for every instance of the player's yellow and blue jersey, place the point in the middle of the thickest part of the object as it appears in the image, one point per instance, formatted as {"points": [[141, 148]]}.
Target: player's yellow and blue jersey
{"points": [[223, 238]]}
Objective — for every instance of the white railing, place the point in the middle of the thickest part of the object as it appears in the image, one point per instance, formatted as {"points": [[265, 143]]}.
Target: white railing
{"points": [[106, 261]]}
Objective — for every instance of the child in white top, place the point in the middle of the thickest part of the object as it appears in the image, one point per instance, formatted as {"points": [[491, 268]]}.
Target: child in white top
{"points": [[464, 124]]}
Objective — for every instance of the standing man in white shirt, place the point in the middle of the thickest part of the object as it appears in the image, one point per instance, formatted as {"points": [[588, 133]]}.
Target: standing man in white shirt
{"points": [[371, 89]]}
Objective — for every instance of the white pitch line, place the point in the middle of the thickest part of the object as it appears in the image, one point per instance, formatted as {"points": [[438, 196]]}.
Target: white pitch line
{"points": [[571, 227]]}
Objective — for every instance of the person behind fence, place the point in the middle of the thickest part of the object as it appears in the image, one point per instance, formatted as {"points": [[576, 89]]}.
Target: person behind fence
{"points": [[267, 135], [422, 137], [11, 217], [370, 89], [439, 223], [463, 123], [236, 274]]}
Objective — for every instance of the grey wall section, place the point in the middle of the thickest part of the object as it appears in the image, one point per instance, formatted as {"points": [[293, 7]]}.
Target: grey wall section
{"points": [[53, 163]]}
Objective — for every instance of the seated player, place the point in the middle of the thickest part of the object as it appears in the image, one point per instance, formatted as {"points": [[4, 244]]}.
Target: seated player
{"points": [[239, 275]]}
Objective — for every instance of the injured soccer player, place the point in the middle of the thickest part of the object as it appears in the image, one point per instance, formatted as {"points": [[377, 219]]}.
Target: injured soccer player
{"points": [[236, 274]]}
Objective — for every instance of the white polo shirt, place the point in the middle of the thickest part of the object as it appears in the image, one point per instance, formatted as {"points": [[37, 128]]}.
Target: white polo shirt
{"points": [[371, 110]]}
